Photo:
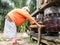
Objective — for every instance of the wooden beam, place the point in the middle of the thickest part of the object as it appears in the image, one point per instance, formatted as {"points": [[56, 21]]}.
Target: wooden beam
{"points": [[39, 35], [35, 12], [44, 6], [35, 26], [45, 41], [35, 38]]}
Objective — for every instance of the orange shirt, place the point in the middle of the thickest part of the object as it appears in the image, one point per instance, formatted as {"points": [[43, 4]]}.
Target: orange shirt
{"points": [[19, 16]]}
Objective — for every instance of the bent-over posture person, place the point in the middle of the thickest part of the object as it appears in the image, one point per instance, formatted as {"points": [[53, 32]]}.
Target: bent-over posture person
{"points": [[15, 18]]}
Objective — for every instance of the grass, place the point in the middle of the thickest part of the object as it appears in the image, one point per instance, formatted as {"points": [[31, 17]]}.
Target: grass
{"points": [[30, 41]]}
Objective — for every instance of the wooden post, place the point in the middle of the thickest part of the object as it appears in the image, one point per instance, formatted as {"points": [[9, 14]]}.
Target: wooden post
{"points": [[39, 35]]}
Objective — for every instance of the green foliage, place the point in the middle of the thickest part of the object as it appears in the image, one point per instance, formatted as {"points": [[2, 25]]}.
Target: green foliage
{"points": [[32, 5], [19, 3], [16, 2], [23, 3], [22, 27], [30, 41], [5, 8]]}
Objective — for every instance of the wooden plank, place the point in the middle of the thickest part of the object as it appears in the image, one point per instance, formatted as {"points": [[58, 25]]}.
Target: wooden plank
{"points": [[35, 38], [35, 26], [45, 41], [42, 40], [57, 41], [51, 37], [48, 42]]}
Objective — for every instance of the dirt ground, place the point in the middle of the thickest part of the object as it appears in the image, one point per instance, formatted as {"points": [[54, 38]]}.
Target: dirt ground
{"points": [[20, 39]]}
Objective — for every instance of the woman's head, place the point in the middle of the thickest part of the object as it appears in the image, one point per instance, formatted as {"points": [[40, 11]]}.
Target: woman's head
{"points": [[26, 8]]}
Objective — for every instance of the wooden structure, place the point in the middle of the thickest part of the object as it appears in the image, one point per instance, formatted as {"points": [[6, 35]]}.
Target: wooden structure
{"points": [[48, 40]]}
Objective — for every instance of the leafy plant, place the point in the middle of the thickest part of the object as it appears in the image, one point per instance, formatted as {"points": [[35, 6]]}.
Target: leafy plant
{"points": [[5, 7]]}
